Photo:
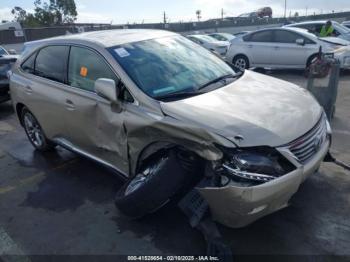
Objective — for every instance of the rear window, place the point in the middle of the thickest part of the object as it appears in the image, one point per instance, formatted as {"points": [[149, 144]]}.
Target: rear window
{"points": [[51, 63], [261, 36]]}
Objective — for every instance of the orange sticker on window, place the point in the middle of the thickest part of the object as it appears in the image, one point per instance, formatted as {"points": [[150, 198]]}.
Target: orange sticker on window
{"points": [[83, 71]]}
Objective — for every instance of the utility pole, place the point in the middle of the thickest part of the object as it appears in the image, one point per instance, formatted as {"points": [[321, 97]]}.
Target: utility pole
{"points": [[222, 14], [285, 8], [164, 18], [306, 10]]}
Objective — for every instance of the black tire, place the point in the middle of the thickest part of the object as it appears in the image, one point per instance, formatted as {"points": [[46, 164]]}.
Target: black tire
{"points": [[310, 59], [241, 62], [45, 144], [162, 184]]}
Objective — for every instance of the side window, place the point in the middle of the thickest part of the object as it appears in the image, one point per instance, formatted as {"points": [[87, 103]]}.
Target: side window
{"points": [[28, 65], [286, 37], [51, 63], [126, 96], [317, 29], [262, 36], [336, 32], [85, 67]]}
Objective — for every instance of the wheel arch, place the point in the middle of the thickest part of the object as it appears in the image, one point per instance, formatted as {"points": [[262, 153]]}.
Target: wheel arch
{"points": [[19, 108], [243, 55], [310, 58], [156, 148]]}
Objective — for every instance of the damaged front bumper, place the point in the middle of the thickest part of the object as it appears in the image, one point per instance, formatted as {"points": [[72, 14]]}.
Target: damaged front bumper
{"points": [[236, 206]]}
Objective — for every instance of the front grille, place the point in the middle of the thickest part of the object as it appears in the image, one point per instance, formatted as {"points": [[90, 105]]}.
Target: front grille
{"points": [[308, 145]]}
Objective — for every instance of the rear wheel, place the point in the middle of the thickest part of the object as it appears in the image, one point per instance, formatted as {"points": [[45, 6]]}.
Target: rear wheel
{"points": [[34, 131], [241, 62]]}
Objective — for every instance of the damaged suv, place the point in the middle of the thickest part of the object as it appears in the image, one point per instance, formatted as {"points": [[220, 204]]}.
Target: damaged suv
{"points": [[165, 113]]}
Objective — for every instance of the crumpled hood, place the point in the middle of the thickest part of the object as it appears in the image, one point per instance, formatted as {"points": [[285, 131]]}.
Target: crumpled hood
{"points": [[262, 109], [336, 40]]}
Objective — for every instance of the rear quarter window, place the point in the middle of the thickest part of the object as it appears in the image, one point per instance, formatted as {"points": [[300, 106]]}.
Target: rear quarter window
{"points": [[28, 65]]}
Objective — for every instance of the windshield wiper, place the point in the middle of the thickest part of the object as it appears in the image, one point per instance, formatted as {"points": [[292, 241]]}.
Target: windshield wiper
{"points": [[178, 95], [219, 79]]}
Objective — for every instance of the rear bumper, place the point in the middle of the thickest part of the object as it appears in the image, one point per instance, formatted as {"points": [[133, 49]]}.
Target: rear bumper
{"points": [[237, 207]]}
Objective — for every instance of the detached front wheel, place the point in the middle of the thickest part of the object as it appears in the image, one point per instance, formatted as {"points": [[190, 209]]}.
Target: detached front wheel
{"points": [[158, 180]]}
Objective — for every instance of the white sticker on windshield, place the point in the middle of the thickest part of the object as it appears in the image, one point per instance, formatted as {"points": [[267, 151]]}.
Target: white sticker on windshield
{"points": [[122, 52]]}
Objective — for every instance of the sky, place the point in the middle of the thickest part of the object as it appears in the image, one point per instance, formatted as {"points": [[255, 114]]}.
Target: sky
{"points": [[131, 11]]}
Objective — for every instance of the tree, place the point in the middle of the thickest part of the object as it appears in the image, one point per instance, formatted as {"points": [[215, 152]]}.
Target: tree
{"points": [[19, 13], [54, 12], [199, 15]]}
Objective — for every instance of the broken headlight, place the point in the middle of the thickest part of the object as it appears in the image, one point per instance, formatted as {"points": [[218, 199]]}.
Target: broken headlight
{"points": [[254, 165]]}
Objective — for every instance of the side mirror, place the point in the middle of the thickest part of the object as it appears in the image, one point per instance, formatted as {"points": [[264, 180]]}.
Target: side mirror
{"points": [[300, 41], [107, 89]]}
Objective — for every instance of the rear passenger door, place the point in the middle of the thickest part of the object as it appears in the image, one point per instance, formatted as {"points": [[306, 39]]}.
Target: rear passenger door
{"points": [[259, 47], [43, 88], [95, 127]]}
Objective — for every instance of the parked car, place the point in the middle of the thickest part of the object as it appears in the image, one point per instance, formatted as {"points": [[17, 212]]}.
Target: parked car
{"points": [[264, 12], [286, 47], [225, 37], [6, 61], [315, 27], [165, 113], [210, 43], [242, 33], [347, 24], [247, 16]]}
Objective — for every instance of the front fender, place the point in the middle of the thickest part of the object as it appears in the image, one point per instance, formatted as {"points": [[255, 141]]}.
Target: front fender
{"points": [[149, 134]]}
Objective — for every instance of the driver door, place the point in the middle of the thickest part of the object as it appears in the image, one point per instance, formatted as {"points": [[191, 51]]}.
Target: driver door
{"points": [[95, 127]]}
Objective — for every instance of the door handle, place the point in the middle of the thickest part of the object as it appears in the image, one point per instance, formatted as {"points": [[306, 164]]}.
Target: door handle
{"points": [[28, 89], [70, 105]]}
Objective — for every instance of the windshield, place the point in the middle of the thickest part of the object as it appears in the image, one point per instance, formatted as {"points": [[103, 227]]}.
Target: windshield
{"points": [[204, 38], [341, 28], [169, 65]]}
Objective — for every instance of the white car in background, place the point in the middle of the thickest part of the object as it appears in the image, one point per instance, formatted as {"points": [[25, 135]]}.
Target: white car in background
{"points": [[210, 43], [226, 37], [285, 48], [315, 28]]}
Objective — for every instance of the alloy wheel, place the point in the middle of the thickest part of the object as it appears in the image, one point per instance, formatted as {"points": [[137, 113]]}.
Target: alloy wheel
{"points": [[241, 63], [33, 129]]}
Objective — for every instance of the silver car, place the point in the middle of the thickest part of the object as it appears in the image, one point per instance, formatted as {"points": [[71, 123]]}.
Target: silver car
{"points": [[347, 24], [164, 114], [7, 59], [284, 48], [223, 37], [212, 44], [315, 27]]}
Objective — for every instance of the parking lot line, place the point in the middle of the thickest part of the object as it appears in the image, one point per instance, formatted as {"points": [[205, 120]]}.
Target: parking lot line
{"points": [[9, 250]]}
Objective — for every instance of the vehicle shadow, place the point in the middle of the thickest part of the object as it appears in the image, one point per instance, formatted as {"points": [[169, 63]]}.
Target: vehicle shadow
{"points": [[6, 110]]}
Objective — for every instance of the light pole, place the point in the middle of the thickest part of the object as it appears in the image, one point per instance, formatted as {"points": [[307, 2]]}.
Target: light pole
{"points": [[285, 8]]}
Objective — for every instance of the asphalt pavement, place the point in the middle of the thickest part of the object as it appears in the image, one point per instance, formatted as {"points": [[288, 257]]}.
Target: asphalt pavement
{"points": [[59, 203]]}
